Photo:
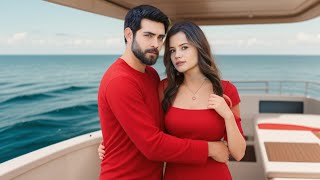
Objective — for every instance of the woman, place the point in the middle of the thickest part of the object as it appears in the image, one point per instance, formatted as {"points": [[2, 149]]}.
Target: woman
{"points": [[197, 104]]}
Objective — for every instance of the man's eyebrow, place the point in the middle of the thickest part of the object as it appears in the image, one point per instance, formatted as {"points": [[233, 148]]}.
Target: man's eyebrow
{"points": [[147, 32]]}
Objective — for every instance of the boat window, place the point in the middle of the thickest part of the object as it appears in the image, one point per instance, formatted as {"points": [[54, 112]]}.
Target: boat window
{"points": [[281, 107]]}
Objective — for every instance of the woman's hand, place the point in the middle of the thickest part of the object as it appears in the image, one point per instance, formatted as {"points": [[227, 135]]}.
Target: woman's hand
{"points": [[101, 151], [219, 104]]}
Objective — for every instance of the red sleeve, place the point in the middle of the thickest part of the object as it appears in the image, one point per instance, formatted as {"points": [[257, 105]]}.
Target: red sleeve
{"points": [[162, 86], [231, 91], [132, 114]]}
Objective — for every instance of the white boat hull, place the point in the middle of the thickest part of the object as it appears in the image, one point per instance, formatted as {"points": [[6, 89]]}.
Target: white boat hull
{"points": [[73, 159]]}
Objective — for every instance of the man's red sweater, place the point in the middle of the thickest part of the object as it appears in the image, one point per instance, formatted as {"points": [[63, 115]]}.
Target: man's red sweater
{"points": [[130, 112]]}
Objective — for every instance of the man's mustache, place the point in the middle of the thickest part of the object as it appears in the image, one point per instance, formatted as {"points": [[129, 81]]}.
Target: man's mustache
{"points": [[153, 50]]}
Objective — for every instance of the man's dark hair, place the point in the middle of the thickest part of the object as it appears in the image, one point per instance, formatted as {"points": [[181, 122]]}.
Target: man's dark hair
{"points": [[136, 14]]}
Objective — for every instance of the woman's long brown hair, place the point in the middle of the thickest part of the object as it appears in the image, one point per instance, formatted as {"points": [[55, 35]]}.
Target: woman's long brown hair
{"points": [[196, 37]]}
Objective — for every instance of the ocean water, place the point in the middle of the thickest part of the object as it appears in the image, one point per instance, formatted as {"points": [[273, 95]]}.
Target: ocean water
{"points": [[47, 99]]}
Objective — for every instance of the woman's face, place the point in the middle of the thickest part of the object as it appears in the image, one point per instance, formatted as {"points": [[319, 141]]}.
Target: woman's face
{"points": [[184, 56]]}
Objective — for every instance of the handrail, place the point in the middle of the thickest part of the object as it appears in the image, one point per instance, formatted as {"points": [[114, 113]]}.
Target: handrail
{"points": [[281, 87]]}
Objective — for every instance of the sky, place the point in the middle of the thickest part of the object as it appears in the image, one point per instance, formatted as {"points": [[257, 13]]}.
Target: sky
{"points": [[40, 27]]}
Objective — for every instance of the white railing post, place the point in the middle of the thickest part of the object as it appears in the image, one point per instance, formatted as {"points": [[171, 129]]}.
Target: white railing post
{"points": [[306, 87]]}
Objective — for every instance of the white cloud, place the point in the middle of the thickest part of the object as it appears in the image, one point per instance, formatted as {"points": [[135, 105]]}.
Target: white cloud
{"points": [[252, 41], [17, 37], [232, 42], [88, 41], [303, 37], [114, 42], [77, 42], [38, 41], [59, 43], [20, 36], [248, 42]]}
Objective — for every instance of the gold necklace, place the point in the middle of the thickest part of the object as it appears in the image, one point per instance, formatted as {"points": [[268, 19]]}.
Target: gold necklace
{"points": [[194, 93]]}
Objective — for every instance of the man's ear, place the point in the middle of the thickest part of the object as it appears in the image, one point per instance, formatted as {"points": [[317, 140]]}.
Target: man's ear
{"points": [[128, 34]]}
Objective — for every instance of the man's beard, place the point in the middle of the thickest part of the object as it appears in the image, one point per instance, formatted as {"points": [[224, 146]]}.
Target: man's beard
{"points": [[142, 56]]}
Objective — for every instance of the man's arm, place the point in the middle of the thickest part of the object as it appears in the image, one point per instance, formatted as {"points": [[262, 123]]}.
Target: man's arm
{"points": [[126, 101]]}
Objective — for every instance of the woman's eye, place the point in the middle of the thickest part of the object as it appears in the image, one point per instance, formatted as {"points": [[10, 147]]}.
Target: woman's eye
{"points": [[171, 51], [184, 47]]}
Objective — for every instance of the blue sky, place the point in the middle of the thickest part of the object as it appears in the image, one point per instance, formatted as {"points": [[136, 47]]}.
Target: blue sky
{"points": [[40, 27]]}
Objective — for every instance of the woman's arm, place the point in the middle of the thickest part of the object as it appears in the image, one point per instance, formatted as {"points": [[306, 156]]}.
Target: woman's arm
{"points": [[101, 151], [236, 142]]}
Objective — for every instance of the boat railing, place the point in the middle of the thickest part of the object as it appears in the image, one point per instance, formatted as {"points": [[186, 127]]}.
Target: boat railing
{"points": [[279, 87]]}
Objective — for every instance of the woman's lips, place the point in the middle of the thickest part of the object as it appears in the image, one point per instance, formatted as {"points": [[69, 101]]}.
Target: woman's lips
{"points": [[180, 63]]}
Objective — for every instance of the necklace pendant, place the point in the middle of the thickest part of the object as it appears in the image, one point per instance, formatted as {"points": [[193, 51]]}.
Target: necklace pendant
{"points": [[194, 98]]}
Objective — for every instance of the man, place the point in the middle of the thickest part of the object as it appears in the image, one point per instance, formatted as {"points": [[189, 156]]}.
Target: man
{"points": [[129, 107]]}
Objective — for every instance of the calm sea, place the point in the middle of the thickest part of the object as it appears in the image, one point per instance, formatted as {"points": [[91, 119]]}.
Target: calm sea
{"points": [[47, 99]]}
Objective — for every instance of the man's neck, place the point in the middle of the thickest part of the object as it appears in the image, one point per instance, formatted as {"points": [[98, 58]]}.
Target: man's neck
{"points": [[133, 61]]}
